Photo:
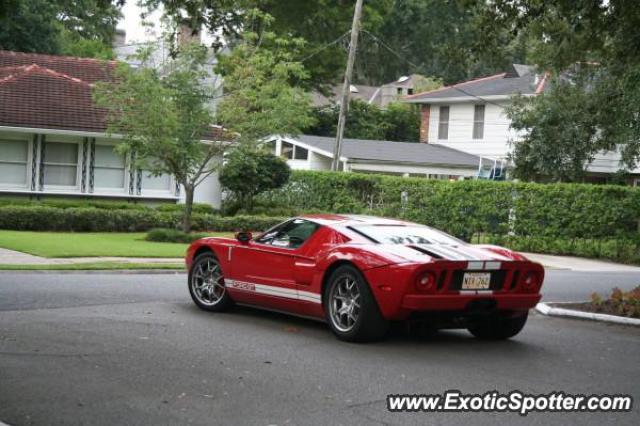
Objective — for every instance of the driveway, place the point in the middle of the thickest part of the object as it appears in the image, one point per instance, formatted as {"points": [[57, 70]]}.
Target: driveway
{"points": [[117, 348]]}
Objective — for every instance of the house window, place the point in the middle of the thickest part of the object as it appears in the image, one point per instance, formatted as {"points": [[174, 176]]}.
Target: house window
{"points": [[149, 182], [155, 183], [109, 168], [409, 91], [399, 89], [286, 150], [300, 153], [13, 162], [60, 164], [271, 147], [443, 123], [478, 122]]}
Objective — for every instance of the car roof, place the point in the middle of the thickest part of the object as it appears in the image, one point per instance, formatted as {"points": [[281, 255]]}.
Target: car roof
{"points": [[353, 220]]}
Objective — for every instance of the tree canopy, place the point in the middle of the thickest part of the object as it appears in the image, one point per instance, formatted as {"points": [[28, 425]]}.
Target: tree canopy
{"points": [[398, 122], [70, 27], [440, 39], [263, 88]]}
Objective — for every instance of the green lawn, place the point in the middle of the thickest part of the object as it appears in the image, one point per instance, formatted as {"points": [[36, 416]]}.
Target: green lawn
{"points": [[93, 266], [71, 244]]}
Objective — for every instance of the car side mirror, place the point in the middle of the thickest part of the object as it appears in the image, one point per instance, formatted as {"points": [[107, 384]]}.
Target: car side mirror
{"points": [[244, 237]]}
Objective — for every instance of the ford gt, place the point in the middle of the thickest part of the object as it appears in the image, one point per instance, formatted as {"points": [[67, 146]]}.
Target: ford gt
{"points": [[360, 273]]}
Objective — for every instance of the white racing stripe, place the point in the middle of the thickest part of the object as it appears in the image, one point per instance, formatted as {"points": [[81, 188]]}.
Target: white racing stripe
{"points": [[269, 290]]}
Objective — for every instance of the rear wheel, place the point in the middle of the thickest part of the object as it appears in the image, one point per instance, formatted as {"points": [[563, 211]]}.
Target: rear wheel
{"points": [[350, 307], [499, 326], [206, 284]]}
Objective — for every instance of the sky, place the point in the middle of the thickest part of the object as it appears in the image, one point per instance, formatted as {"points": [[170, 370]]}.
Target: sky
{"points": [[136, 32], [132, 23]]}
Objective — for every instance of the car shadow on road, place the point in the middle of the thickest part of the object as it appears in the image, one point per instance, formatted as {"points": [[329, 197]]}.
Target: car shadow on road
{"points": [[399, 334]]}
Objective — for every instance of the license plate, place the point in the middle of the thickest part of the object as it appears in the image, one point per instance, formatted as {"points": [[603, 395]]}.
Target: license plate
{"points": [[476, 281]]}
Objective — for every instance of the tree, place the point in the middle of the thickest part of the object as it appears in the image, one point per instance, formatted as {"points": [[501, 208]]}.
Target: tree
{"points": [[399, 122], [55, 27], [263, 93], [163, 119], [249, 171], [436, 38], [559, 137], [592, 49]]}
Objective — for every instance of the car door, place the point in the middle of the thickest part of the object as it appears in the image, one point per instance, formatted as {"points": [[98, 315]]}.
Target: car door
{"points": [[264, 269]]}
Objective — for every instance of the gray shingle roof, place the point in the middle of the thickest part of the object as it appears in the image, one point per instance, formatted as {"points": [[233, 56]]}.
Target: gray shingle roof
{"points": [[520, 79], [397, 152]]}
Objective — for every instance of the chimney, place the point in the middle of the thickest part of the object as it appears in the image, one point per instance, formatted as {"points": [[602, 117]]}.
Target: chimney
{"points": [[425, 115], [186, 34], [119, 38]]}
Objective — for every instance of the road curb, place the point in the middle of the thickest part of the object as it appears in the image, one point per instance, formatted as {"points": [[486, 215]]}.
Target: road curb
{"points": [[550, 310], [96, 271]]}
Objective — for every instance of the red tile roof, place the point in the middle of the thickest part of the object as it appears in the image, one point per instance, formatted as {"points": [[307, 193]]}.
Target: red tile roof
{"points": [[86, 69], [54, 92], [51, 92]]}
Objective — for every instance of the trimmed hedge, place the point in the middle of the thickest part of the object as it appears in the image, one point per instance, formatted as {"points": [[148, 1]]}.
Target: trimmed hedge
{"points": [[43, 218], [166, 235], [106, 205], [620, 250], [470, 207]]}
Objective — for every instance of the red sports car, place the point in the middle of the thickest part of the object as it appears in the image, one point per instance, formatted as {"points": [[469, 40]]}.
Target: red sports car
{"points": [[359, 273]]}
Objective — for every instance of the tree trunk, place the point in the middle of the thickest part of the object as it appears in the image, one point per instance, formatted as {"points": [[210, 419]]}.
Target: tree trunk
{"points": [[188, 207]]}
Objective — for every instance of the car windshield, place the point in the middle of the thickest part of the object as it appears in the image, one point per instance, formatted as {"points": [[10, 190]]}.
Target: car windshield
{"points": [[388, 234]]}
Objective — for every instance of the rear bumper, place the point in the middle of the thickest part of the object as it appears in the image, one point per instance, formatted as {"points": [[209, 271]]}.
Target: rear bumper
{"points": [[460, 302]]}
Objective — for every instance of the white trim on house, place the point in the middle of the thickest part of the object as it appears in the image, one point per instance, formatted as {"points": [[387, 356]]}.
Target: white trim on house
{"points": [[39, 130], [464, 98], [306, 146]]}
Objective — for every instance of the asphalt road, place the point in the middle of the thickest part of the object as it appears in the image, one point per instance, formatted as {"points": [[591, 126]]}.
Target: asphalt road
{"points": [[133, 349]]}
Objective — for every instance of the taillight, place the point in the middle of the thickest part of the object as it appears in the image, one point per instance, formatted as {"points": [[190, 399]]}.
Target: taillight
{"points": [[531, 281], [426, 282]]}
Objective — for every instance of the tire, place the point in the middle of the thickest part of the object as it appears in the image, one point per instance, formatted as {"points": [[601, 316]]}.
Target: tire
{"points": [[206, 284], [351, 309], [499, 327]]}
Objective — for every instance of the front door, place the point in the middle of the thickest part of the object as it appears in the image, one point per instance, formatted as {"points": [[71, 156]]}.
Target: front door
{"points": [[264, 269]]}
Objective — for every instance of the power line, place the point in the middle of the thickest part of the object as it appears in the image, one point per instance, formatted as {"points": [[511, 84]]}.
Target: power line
{"points": [[326, 46]]}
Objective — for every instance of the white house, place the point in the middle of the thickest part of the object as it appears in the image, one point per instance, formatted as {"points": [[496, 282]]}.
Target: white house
{"points": [[470, 116], [53, 140], [306, 152]]}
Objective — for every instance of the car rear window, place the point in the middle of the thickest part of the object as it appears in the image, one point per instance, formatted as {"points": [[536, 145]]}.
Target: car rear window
{"points": [[400, 234]]}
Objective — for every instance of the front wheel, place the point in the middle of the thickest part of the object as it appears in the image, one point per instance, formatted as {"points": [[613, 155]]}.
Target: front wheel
{"points": [[499, 327], [206, 284], [350, 307]]}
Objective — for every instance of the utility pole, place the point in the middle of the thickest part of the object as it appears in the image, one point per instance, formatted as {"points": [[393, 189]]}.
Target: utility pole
{"points": [[344, 102]]}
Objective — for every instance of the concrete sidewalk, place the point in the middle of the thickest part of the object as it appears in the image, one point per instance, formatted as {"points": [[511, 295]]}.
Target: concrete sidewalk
{"points": [[580, 264], [11, 257], [556, 262]]}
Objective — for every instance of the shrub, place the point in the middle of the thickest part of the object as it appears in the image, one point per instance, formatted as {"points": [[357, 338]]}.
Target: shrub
{"points": [[69, 203], [619, 303], [249, 172], [198, 208], [465, 208], [43, 218], [166, 235]]}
